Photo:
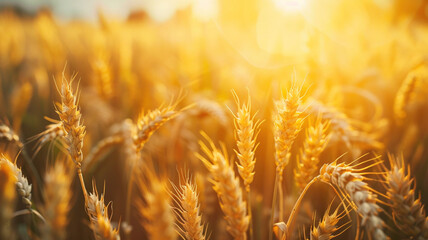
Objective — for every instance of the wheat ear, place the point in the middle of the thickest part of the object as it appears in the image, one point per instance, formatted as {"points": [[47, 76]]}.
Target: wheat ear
{"points": [[315, 142], [7, 199], [22, 186], [188, 211], [100, 149], [99, 217], [140, 133], [407, 210], [57, 196], [103, 77], [288, 122], [351, 183], [52, 132], [327, 227], [246, 131], [228, 189], [155, 208], [148, 123], [70, 116], [342, 128], [20, 99], [405, 93], [8, 135]]}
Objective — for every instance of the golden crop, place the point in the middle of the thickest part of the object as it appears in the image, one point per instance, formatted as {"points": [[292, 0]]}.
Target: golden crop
{"points": [[270, 121]]}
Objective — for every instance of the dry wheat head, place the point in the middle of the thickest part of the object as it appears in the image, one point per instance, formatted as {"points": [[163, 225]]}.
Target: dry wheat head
{"points": [[350, 182], [315, 142], [288, 122], [188, 211], [57, 194], [246, 131], [7, 199], [70, 116], [99, 217], [407, 210], [228, 189]]}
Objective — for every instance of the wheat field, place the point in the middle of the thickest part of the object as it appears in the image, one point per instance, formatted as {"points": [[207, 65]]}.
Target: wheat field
{"points": [[258, 123]]}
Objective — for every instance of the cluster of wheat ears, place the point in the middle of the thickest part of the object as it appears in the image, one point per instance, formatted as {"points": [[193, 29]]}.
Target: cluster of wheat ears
{"points": [[300, 166]]}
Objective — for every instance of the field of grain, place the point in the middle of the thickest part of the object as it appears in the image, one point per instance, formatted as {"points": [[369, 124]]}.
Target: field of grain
{"points": [[269, 121]]}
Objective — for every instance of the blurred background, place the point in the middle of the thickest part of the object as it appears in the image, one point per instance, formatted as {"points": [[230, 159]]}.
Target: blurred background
{"points": [[130, 56]]}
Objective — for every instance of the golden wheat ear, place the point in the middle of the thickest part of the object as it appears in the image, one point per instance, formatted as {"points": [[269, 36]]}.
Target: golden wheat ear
{"points": [[8, 135], [57, 194], [187, 212], [154, 207], [288, 121], [151, 121], [407, 92], [227, 187], [7, 200], [407, 209], [99, 217], [327, 227], [53, 131], [22, 186], [70, 115], [351, 185], [74, 130], [246, 131], [315, 142]]}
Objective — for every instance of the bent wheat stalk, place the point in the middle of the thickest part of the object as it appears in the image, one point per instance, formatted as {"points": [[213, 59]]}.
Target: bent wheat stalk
{"points": [[351, 184]]}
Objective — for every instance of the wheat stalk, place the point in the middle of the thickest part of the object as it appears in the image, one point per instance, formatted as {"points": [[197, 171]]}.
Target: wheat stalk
{"points": [[351, 184], [287, 123], [228, 189], [99, 217], [7, 199], [407, 210], [188, 212], [315, 142], [57, 194]]}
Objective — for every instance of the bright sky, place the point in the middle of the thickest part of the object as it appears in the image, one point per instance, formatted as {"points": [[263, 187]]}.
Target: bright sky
{"points": [[159, 10]]}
